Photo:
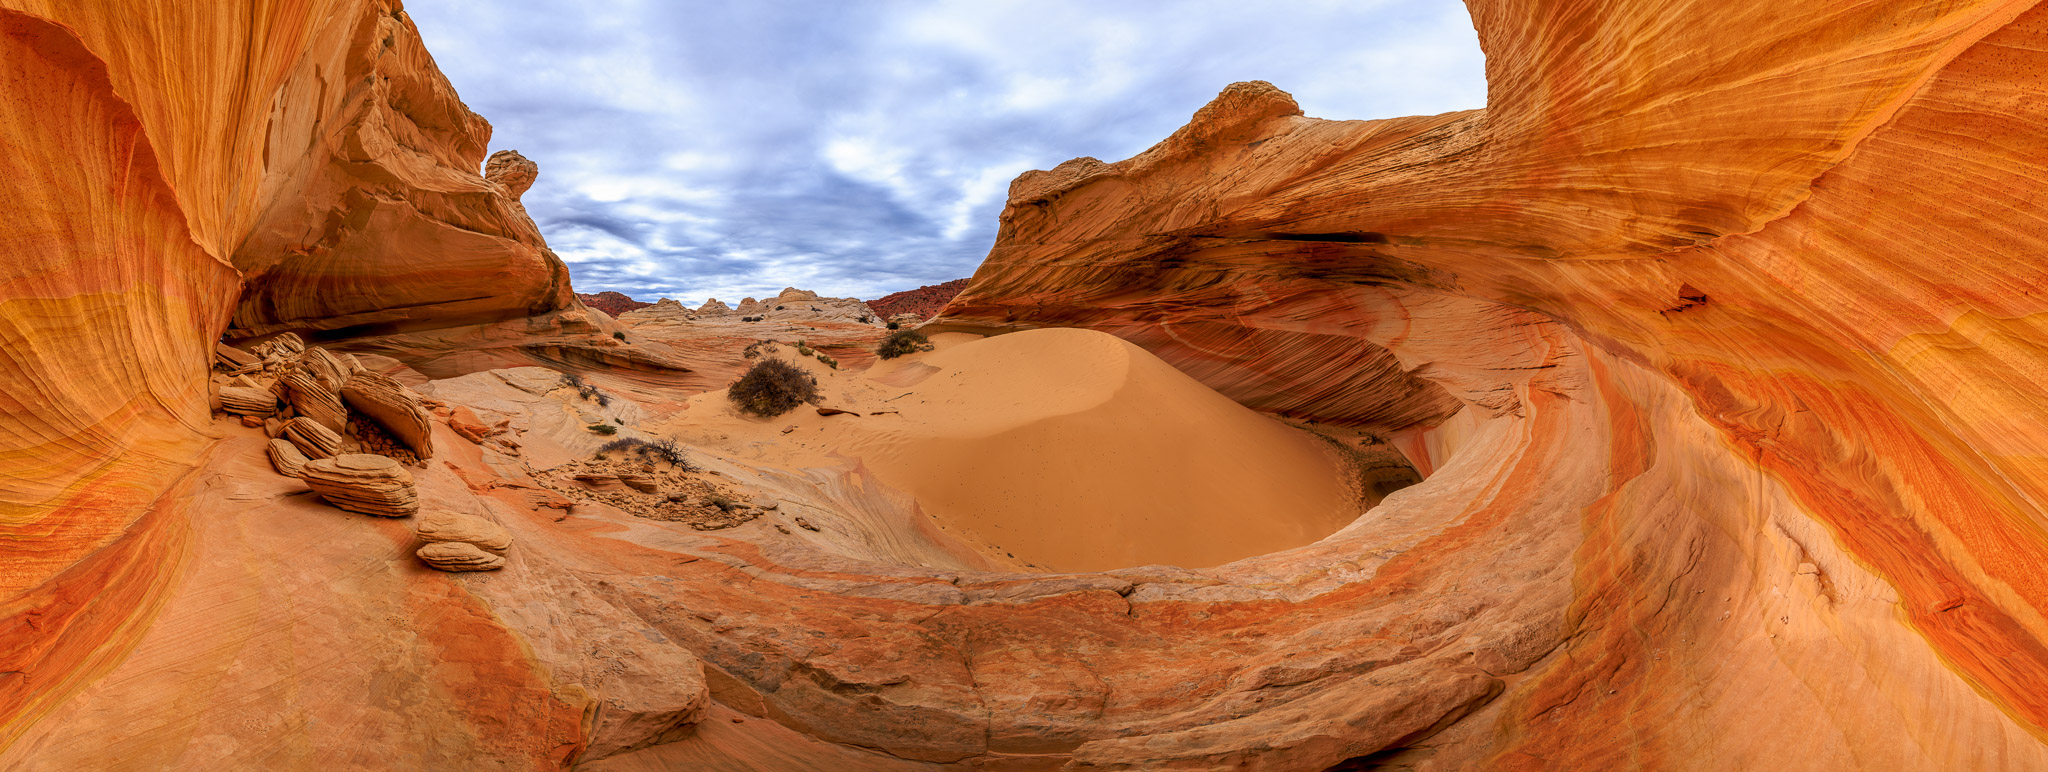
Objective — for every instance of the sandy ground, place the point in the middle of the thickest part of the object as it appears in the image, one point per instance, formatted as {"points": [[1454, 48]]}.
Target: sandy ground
{"points": [[1065, 450]]}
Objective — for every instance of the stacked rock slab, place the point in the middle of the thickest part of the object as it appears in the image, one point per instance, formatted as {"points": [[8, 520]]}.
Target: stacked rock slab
{"points": [[287, 458], [456, 542], [387, 402], [311, 397], [364, 484], [437, 527], [246, 401], [315, 440], [459, 556]]}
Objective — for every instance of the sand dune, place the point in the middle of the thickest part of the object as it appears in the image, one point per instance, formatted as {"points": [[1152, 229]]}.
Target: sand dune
{"points": [[1068, 450]]}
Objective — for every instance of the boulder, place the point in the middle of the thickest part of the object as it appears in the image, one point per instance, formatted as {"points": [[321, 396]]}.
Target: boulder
{"points": [[452, 527], [459, 556], [364, 484]]}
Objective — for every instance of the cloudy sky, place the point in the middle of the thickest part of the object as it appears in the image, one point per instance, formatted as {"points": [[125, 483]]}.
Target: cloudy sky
{"points": [[693, 149]]}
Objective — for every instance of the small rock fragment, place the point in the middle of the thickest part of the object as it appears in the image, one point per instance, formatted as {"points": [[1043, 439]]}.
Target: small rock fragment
{"points": [[805, 524], [252, 422], [601, 482], [639, 482], [231, 357]]}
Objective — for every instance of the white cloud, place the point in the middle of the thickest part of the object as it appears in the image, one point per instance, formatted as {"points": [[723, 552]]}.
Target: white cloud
{"points": [[698, 148]]}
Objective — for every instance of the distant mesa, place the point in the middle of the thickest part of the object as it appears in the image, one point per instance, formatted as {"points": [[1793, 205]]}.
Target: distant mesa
{"points": [[792, 304]]}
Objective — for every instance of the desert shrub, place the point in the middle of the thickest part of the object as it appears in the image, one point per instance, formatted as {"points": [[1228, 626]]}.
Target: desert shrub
{"points": [[895, 326], [772, 387], [829, 362], [778, 308], [803, 348], [585, 389], [759, 347], [903, 342], [866, 319], [619, 335], [649, 451], [603, 428]]}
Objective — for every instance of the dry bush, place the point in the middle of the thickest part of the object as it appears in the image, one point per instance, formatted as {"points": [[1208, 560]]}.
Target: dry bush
{"points": [[772, 387], [649, 451]]}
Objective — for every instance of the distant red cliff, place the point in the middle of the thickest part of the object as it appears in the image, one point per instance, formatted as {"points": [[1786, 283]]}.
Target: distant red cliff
{"points": [[616, 303], [923, 301]]}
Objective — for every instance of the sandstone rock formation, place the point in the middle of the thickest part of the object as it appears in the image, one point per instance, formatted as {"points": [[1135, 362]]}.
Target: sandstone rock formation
{"points": [[1759, 243], [511, 171], [313, 438], [247, 401], [286, 457], [437, 527], [459, 556], [313, 398], [791, 305], [1716, 335], [924, 301], [363, 483]]}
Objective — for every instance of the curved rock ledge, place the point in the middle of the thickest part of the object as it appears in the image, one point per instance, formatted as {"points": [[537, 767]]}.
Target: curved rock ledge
{"points": [[1715, 335]]}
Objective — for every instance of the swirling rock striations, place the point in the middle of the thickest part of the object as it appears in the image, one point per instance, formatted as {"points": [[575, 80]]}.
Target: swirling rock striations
{"points": [[1719, 334], [1816, 227], [176, 169]]}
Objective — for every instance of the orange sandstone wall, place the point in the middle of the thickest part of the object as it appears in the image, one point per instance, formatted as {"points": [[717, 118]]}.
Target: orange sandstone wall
{"points": [[1819, 223], [160, 156]]}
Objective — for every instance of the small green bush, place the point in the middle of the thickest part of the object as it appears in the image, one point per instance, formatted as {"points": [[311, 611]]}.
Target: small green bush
{"points": [[603, 428], [619, 335], [903, 342], [895, 326], [772, 387], [829, 362]]}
